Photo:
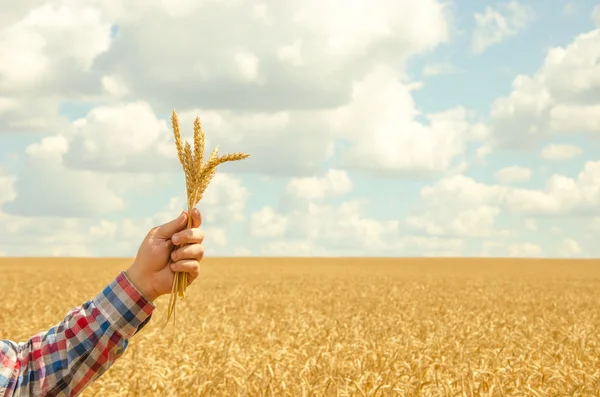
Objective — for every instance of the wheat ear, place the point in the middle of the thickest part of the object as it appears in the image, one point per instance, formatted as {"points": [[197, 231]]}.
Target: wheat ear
{"points": [[197, 177]]}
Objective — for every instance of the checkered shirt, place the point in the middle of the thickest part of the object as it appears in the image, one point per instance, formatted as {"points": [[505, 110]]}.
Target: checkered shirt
{"points": [[68, 357]]}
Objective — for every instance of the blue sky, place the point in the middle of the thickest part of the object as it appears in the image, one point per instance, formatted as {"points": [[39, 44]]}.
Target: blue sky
{"points": [[381, 128]]}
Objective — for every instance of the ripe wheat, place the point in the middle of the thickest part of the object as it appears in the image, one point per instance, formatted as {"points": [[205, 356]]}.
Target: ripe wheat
{"points": [[340, 327], [197, 178]]}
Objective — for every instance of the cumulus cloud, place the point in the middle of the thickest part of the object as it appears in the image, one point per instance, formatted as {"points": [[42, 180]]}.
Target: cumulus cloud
{"points": [[562, 196], [46, 187], [268, 223], [72, 235], [294, 99], [530, 224], [7, 191], [333, 183], [498, 24], [560, 152], [561, 98], [379, 127], [328, 230], [319, 49], [525, 250], [570, 248], [122, 137], [330, 88], [384, 136], [225, 200], [513, 174], [443, 220], [322, 228], [437, 69], [47, 54]]}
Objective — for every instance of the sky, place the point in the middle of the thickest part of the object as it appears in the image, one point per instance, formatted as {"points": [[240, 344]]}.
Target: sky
{"points": [[375, 127]]}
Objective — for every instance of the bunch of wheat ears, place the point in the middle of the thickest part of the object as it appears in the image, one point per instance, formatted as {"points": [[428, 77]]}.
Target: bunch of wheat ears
{"points": [[198, 175]]}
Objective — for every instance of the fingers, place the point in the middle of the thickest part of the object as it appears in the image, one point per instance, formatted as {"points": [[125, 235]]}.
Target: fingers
{"points": [[190, 266], [168, 229], [188, 236], [194, 251], [196, 218]]}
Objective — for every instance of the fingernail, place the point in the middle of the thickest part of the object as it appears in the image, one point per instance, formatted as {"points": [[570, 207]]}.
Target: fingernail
{"points": [[175, 239], [173, 266]]}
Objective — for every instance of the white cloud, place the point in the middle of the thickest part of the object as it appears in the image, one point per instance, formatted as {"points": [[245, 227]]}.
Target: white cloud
{"points": [[525, 250], [53, 236], [560, 152], [530, 224], [29, 52], [379, 126], [496, 25], [322, 228], [334, 44], [562, 196], [46, 54], [560, 98], [260, 11], [215, 240], [303, 74], [570, 248], [513, 174], [446, 220], [122, 137], [92, 236], [292, 53], [114, 85], [7, 191], [333, 183], [575, 118], [247, 64], [384, 136], [294, 248], [334, 229], [437, 69], [46, 187], [297, 142], [267, 223], [331, 88], [242, 251], [225, 200], [223, 204], [492, 248]]}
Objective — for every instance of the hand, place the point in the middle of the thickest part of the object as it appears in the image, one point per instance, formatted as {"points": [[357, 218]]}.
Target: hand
{"points": [[153, 270]]}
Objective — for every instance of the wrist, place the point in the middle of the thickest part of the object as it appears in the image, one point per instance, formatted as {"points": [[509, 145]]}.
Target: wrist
{"points": [[141, 283]]}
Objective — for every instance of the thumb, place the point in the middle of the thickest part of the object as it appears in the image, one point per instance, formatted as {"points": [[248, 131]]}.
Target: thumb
{"points": [[170, 228]]}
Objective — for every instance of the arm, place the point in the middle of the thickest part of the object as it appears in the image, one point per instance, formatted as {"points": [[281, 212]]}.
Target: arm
{"points": [[69, 356]]}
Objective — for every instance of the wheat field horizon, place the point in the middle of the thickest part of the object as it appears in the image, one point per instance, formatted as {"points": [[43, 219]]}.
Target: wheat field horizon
{"points": [[355, 326]]}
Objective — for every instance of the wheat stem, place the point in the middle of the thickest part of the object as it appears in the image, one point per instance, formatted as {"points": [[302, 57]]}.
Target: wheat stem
{"points": [[197, 177]]}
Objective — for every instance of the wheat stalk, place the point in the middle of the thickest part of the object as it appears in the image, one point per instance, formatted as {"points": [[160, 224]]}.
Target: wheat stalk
{"points": [[197, 177]]}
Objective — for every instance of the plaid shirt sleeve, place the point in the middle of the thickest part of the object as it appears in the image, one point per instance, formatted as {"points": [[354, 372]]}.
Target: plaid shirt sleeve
{"points": [[71, 355]]}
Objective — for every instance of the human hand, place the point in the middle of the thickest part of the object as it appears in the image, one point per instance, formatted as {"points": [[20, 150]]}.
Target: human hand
{"points": [[155, 264]]}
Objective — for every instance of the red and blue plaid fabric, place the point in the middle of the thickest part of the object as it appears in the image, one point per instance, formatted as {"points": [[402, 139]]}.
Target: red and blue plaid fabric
{"points": [[68, 357]]}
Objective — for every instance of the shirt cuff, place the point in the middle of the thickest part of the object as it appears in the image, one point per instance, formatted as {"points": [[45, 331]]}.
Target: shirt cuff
{"points": [[124, 306]]}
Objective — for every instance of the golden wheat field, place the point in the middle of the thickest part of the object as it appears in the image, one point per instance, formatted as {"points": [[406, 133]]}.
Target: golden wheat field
{"points": [[339, 327]]}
